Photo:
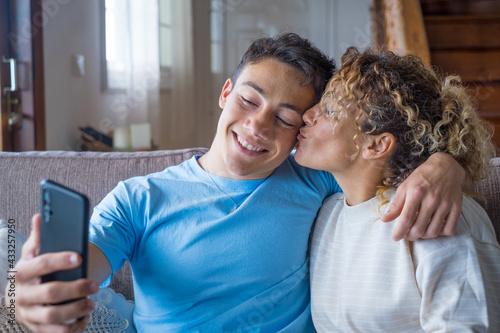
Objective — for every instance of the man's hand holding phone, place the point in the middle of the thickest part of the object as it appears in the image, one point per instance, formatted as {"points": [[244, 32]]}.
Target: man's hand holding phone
{"points": [[34, 299], [60, 303]]}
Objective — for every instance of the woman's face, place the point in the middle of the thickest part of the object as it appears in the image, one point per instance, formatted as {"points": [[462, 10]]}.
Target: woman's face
{"points": [[327, 143]]}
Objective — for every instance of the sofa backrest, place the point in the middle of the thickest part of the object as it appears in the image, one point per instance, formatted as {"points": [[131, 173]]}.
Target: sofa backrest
{"points": [[92, 173], [96, 174], [490, 188]]}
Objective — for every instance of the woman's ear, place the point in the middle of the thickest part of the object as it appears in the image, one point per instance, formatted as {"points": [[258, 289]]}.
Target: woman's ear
{"points": [[226, 90], [378, 146]]}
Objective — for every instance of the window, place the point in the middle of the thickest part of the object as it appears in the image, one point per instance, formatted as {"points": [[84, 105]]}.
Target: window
{"points": [[116, 44], [165, 41], [216, 36], [121, 28]]}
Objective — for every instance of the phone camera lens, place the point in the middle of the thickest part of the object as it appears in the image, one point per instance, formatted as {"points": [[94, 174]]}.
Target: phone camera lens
{"points": [[46, 197], [46, 213]]}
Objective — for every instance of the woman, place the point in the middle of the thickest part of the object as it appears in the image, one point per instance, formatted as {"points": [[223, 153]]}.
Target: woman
{"points": [[382, 115]]}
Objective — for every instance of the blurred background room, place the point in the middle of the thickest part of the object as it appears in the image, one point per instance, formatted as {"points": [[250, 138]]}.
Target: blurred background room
{"points": [[146, 74]]}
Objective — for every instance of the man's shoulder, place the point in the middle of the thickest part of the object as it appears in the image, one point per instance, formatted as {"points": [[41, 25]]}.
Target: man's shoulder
{"points": [[184, 169], [321, 180], [297, 168], [159, 180]]}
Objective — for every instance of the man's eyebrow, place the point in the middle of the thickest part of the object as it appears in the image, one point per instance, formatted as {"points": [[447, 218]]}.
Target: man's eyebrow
{"points": [[292, 107], [256, 87], [283, 105]]}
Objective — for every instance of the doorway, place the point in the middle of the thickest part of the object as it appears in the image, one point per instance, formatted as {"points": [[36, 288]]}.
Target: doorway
{"points": [[22, 108]]}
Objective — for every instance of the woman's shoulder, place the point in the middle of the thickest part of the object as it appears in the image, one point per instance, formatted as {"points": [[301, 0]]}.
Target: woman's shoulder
{"points": [[474, 221], [474, 230], [330, 202]]}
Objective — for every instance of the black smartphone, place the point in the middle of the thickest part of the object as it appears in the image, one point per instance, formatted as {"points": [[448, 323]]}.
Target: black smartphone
{"points": [[64, 227]]}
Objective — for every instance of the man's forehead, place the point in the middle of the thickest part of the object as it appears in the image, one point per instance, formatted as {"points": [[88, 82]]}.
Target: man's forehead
{"points": [[263, 93], [270, 65], [255, 87], [266, 75]]}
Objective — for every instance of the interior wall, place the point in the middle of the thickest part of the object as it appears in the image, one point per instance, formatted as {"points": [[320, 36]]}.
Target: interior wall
{"points": [[200, 134], [332, 25], [73, 27]]}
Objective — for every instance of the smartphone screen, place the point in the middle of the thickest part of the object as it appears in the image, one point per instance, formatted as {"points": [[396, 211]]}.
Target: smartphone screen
{"points": [[64, 227]]}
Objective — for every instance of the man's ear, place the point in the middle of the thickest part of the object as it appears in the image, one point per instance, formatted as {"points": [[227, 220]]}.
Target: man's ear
{"points": [[226, 90], [378, 146]]}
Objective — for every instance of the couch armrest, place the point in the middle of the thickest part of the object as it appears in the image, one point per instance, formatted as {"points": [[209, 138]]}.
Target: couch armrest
{"points": [[490, 188]]}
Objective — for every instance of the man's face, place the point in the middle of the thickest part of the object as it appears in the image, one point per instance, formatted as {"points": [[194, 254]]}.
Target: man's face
{"points": [[261, 117]]}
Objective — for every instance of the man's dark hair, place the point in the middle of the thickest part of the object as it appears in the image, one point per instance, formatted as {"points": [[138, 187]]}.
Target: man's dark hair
{"points": [[295, 51]]}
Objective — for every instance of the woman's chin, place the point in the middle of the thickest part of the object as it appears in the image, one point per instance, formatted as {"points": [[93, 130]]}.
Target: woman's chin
{"points": [[300, 157]]}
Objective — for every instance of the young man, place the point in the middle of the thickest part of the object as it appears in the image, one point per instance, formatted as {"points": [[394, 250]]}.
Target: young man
{"points": [[219, 243]]}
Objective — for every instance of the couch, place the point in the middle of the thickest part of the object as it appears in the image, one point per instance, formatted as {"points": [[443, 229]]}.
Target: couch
{"points": [[92, 173], [96, 173]]}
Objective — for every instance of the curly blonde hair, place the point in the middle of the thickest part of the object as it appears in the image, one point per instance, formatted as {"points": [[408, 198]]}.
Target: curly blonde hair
{"points": [[400, 95]]}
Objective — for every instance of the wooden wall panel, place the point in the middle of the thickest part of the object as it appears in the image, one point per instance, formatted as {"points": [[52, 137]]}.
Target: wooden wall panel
{"points": [[460, 7], [463, 38], [399, 27], [470, 64], [452, 32], [494, 120], [487, 96]]}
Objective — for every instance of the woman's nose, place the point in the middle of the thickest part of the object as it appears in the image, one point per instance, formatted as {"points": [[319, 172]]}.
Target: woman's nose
{"points": [[310, 115]]}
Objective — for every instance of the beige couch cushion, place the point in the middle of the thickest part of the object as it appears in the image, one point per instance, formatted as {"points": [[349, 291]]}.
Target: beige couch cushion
{"points": [[490, 188], [95, 174], [92, 173]]}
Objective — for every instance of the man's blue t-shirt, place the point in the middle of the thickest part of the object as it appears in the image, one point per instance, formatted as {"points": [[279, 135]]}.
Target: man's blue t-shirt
{"points": [[197, 267]]}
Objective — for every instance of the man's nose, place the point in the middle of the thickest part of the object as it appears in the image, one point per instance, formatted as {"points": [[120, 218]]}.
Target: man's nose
{"points": [[259, 123]]}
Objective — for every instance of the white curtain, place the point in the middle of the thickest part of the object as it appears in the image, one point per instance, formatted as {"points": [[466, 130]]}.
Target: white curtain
{"points": [[145, 62], [181, 117], [139, 102]]}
